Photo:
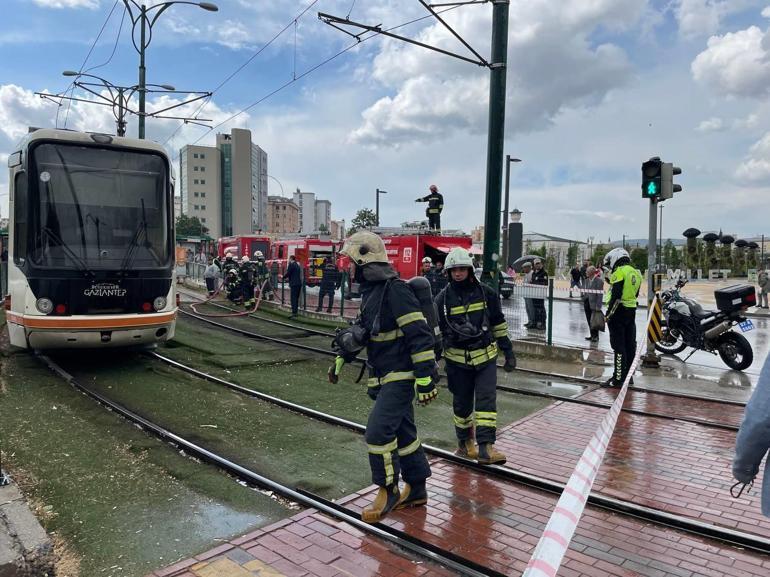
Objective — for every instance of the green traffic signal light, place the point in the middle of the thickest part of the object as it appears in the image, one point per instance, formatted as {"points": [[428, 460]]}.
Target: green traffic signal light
{"points": [[652, 189], [651, 178]]}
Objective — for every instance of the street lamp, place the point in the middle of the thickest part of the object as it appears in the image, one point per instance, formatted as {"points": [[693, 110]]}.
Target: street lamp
{"points": [[378, 192], [147, 21], [508, 161], [279, 183], [120, 96]]}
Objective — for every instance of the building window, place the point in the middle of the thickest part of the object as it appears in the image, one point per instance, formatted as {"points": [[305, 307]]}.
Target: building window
{"points": [[195, 155], [203, 181], [203, 219], [195, 194], [195, 181], [203, 155], [203, 169], [195, 207], [195, 168], [203, 207], [203, 195]]}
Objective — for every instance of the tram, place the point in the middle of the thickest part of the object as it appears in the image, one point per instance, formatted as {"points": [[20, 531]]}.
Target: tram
{"points": [[91, 242]]}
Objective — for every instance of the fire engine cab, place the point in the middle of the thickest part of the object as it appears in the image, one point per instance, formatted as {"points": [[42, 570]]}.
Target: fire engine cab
{"points": [[309, 252], [406, 250], [243, 244]]}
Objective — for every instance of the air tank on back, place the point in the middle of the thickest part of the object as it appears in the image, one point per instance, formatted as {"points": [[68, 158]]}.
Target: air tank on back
{"points": [[421, 288]]}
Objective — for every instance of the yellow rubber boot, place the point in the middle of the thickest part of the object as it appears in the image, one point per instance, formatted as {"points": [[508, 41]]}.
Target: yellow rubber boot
{"points": [[488, 455], [413, 496], [387, 498], [467, 450]]}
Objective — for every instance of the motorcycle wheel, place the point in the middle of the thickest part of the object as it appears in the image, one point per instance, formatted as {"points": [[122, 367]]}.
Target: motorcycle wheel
{"points": [[735, 351], [671, 342]]}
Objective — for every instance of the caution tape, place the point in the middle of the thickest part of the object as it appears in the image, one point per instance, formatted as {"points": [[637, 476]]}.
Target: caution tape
{"points": [[654, 330], [556, 537]]}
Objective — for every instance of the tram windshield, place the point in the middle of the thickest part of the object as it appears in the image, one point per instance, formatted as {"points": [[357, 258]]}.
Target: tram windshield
{"points": [[98, 208]]}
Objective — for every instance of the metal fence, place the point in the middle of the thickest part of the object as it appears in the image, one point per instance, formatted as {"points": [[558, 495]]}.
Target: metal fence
{"points": [[521, 312]]}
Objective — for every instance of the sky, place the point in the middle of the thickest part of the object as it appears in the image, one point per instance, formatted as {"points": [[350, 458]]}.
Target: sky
{"points": [[594, 88]]}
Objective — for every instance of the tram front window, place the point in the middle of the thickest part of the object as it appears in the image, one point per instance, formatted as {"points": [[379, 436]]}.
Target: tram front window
{"points": [[97, 208]]}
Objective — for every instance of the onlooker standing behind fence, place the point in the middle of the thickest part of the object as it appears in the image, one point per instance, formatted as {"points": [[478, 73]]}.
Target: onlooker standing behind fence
{"points": [[592, 302], [763, 280], [529, 303], [539, 277], [294, 276], [753, 440], [211, 275]]}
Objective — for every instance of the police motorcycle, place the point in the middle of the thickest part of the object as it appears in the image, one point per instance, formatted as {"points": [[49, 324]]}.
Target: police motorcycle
{"points": [[686, 323]]}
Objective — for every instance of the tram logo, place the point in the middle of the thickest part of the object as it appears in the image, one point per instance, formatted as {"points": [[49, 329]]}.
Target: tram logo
{"points": [[105, 289]]}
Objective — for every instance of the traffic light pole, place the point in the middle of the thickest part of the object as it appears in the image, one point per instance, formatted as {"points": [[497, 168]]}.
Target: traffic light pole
{"points": [[650, 358]]}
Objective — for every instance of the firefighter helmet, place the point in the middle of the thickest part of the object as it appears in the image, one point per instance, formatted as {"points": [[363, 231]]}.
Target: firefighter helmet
{"points": [[245, 258], [427, 260], [365, 247], [458, 257], [258, 254]]}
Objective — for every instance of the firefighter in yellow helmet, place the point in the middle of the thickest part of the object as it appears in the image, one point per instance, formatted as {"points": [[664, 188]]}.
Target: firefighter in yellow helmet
{"points": [[474, 331], [402, 364]]}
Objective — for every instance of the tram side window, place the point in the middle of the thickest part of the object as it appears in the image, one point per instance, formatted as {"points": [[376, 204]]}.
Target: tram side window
{"points": [[20, 222]]}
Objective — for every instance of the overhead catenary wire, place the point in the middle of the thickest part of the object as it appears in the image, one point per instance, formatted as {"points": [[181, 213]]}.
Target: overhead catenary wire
{"points": [[114, 47]]}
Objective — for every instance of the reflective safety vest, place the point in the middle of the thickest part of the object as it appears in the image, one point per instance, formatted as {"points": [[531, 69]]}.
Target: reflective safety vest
{"points": [[632, 283]]}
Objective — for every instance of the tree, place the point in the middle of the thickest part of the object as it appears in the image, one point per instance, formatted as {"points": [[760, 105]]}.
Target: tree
{"points": [[550, 263], [190, 226], [365, 218], [572, 255], [541, 252], [639, 259], [322, 228], [599, 252]]}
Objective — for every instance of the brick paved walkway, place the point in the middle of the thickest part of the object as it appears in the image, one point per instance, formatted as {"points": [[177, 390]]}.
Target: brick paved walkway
{"points": [[679, 467]]}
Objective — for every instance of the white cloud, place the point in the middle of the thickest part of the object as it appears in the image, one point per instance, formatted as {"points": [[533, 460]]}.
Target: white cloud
{"points": [[697, 18], [92, 4], [552, 65], [597, 214], [736, 64], [713, 124], [755, 169]]}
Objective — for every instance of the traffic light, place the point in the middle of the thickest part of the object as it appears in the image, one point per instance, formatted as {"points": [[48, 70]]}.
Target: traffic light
{"points": [[651, 178], [668, 188]]}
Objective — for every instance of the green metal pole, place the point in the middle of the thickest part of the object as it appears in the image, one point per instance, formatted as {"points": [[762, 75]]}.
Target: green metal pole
{"points": [[496, 139], [550, 312], [142, 86]]}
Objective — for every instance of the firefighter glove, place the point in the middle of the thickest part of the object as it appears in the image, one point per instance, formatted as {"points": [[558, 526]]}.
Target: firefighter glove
{"points": [[426, 390], [510, 362], [334, 370]]}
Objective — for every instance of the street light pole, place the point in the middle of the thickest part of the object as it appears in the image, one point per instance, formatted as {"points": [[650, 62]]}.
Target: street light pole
{"points": [[378, 192], [508, 161]]}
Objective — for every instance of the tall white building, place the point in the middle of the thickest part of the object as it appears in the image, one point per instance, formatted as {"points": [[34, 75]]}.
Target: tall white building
{"points": [[323, 215], [200, 186], [312, 213]]}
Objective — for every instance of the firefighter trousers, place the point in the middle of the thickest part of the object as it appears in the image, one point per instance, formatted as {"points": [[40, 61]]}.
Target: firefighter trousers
{"points": [[434, 221], [474, 400], [622, 325], [391, 437]]}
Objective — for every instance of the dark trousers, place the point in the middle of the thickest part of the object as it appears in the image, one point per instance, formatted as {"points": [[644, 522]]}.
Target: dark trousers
{"points": [[391, 437], [434, 221], [589, 312], [211, 285], [248, 292], [321, 296], [540, 315], [622, 327], [295, 291], [474, 388]]}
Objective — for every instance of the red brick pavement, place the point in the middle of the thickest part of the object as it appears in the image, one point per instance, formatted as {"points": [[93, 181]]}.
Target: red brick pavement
{"points": [[679, 467], [707, 410]]}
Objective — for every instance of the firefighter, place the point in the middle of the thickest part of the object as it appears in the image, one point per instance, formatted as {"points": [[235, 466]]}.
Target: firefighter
{"points": [[435, 205], [402, 362], [625, 283], [230, 272], [248, 277], [430, 273], [330, 281], [263, 275], [474, 331]]}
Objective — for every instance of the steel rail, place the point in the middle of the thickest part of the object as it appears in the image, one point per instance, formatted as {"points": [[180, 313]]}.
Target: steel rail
{"points": [[399, 538], [504, 388], [693, 526]]}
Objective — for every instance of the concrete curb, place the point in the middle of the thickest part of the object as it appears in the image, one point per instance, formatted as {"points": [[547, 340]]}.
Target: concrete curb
{"points": [[25, 549], [553, 352]]}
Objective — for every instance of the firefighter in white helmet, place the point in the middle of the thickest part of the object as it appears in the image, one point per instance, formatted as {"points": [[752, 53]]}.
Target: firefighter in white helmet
{"points": [[402, 362], [474, 331]]}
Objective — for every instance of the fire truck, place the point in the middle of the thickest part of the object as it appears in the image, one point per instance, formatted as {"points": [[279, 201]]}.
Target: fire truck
{"points": [[310, 254], [243, 244], [406, 249]]}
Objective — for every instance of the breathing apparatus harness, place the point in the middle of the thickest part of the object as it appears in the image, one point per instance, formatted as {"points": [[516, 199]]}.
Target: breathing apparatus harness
{"points": [[464, 334]]}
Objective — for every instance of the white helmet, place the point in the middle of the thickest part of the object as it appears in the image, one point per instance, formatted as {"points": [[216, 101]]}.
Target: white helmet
{"points": [[245, 258], [458, 258], [258, 254], [427, 259], [611, 258]]}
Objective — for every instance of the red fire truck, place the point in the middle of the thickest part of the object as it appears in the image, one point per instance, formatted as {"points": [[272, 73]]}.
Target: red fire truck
{"points": [[243, 244], [310, 254], [406, 251]]}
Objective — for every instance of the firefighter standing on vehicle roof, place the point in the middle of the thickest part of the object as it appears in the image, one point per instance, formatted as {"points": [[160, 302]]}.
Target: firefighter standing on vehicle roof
{"points": [[625, 283], [248, 277], [474, 330], [401, 361], [435, 205]]}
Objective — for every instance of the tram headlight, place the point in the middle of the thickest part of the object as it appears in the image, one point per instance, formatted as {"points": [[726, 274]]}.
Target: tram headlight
{"points": [[159, 303], [44, 305]]}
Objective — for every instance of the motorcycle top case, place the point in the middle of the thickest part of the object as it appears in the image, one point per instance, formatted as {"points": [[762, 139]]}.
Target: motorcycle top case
{"points": [[736, 297]]}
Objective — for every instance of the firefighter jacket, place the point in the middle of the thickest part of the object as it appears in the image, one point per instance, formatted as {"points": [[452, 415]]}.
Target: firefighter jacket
{"points": [[330, 279], [260, 270], [400, 343], [437, 279], [248, 272], [472, 324], [435, 202], [227, 266]]}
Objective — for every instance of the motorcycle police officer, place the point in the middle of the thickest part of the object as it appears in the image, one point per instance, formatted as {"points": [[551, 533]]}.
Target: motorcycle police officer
{"points": [[401, 361], [435, 205], [625, 283], [474, 330]]}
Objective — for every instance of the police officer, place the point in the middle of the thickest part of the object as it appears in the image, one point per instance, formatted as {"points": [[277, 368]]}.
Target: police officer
{"points": [[625, 283], [248, 277], [474, 331], [435, 205], [401, 362]]}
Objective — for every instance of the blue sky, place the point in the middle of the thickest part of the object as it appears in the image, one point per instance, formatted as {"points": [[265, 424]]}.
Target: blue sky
{"points": [[594, 89]]}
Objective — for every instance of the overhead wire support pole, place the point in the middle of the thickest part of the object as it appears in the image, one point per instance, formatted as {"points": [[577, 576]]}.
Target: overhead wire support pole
{"points": [[455, 34]]}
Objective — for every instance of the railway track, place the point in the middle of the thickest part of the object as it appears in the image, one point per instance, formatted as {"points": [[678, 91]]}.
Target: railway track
{"points": [[504, 388], [419, 547]]}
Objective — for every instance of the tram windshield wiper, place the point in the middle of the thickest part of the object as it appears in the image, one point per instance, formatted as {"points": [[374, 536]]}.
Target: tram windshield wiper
{"points": [[79, 262], [141, 230]]}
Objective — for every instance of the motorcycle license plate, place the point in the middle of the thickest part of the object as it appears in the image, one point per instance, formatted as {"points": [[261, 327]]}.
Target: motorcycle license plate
{"points": [[746, 326]]}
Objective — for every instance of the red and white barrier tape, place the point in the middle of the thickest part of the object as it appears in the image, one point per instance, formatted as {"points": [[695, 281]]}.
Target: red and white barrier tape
{"points": [[563, 290], [556, 537]]}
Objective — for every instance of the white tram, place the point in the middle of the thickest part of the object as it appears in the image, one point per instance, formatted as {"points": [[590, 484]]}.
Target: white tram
{"points": [[91, 242]]}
